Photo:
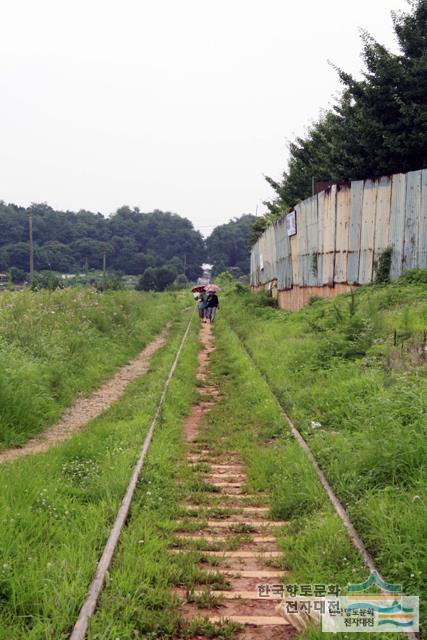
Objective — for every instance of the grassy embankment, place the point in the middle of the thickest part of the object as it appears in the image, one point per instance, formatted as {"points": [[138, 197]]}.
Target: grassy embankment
{"points": [[54, 345], [352, 374], [57, 508]]}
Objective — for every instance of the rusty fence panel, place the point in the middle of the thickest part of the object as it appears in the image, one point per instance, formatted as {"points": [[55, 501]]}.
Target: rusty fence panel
{"points": [[412, 211], [367, 237], [382, 220], [320, 242], [312, 241], [355, 227], [342, 234], [422, 232], [329, 232], [283, 255], [397, 223]]}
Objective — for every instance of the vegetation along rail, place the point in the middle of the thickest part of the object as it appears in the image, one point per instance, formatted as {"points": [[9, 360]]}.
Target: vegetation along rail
{"points": [[338, 506], [88, 607]]}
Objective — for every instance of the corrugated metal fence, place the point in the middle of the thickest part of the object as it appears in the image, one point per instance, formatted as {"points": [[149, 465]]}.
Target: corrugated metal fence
{"points": [[342, 232]]}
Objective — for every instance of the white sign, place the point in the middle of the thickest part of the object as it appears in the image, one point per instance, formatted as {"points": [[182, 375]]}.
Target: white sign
{"points": [[291, 223]]}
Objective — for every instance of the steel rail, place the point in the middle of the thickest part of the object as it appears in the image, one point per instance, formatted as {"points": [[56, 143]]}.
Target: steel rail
{"points": [[338, 506], [95, 588]]}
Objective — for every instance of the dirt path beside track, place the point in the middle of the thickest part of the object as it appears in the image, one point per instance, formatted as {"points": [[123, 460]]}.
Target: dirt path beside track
{"points": [[86, 409]]}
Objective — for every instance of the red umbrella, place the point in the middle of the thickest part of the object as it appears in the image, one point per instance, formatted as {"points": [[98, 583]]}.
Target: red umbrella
{"points": [[198, 289]]}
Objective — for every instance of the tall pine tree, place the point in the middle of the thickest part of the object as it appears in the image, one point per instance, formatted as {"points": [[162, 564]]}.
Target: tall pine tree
{"points": [[379, 124]]}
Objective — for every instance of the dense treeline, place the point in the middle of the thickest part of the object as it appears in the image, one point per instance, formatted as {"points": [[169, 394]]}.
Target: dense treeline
{"points": [[377, 127], [160, 247], [227, 246], [69, 242]]}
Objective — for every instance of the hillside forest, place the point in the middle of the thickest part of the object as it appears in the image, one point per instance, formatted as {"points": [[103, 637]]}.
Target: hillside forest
{"points": [[158, 246]]}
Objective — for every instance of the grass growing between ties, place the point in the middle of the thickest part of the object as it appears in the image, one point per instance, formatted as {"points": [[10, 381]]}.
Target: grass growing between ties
{"points": [[54, 345], [139, 600], [57, 509], [352, 374], [247, 420]]}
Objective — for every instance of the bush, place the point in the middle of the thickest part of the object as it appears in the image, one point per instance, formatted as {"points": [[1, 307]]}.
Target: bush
{"points": [[384, 265], [414, 276], [17, 276]]}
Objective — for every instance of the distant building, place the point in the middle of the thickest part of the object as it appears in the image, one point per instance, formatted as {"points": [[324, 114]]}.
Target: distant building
{"points": [[207, 273]]}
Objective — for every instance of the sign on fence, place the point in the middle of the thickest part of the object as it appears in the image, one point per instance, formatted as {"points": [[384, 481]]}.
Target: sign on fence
{"points": [[291, 223]]}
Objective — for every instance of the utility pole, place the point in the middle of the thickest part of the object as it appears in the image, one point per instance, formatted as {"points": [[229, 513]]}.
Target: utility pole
{"points": [[30, 237], [104, 271]]}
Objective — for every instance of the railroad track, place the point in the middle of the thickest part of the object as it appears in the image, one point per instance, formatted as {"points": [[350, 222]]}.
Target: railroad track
{"points": [[95, 588], [242, 542], [337, 505]]}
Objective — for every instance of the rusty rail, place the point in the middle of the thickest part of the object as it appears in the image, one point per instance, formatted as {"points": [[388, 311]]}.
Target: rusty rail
{"points": [[88, 607], [338, 506]]}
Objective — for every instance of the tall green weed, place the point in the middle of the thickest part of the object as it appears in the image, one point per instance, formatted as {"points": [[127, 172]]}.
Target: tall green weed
{"points": [[55, 345]]}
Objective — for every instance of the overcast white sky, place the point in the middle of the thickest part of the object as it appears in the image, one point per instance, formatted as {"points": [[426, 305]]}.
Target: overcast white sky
{"points": [[179, 105]]}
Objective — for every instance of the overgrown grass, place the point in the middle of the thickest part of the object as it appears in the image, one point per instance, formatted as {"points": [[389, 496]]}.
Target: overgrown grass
{"points": [[54, 345], [57, 508], [352, 374]]}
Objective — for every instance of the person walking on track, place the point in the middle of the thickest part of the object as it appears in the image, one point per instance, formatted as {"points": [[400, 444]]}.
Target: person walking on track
{"points": [[202, 306], [213, 305]]}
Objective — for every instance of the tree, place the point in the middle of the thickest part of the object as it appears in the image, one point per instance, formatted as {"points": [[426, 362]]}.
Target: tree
{"points": [[156, 279], [378, 126], [55, 256], [90, 252], [228, 244], [65, 240], [14, 255]]}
